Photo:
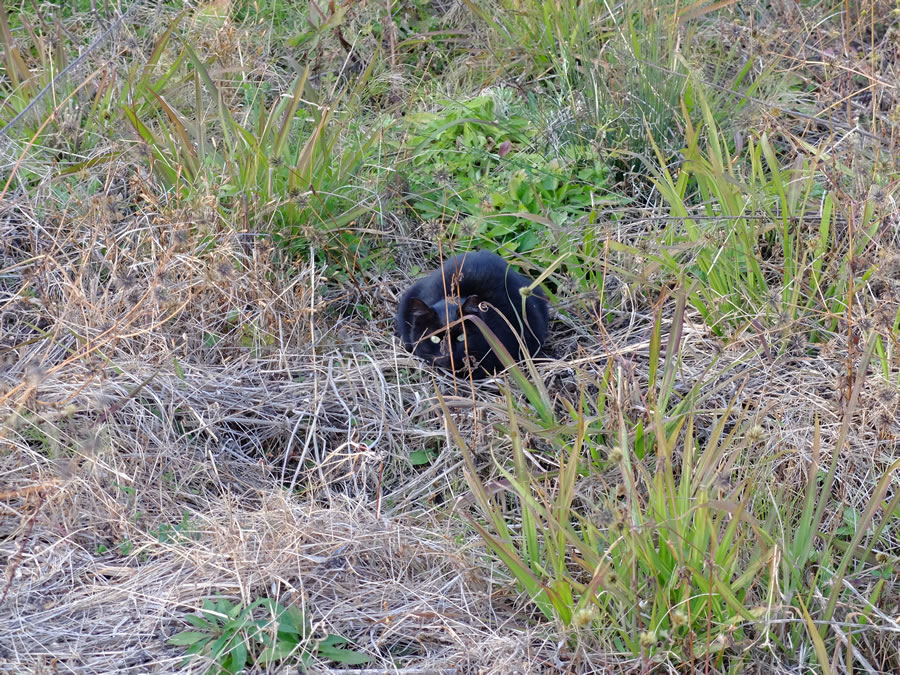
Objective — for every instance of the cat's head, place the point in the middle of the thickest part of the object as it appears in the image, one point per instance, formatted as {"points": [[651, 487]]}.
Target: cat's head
{"points": [[432, 339]]}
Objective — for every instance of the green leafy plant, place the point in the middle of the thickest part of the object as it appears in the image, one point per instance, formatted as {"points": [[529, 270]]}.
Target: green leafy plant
{"points": [[481, 174], [264, 633], [182, 531], [322, 21]]}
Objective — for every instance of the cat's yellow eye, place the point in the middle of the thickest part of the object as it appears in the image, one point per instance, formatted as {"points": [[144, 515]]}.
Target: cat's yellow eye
{"points": [[460, 337], [435, 338]]}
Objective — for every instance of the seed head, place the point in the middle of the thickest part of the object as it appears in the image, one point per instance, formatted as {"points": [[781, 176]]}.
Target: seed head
{"points": [[584, 616], [884, 317], [616, 455], [603, 517], [886, 396], [884, 420], [755, 434], [225, 269], [647, 639]]}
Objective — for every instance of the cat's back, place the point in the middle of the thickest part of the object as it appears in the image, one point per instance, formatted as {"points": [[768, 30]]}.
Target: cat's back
{"points": [[482, 273], [485, 271]]}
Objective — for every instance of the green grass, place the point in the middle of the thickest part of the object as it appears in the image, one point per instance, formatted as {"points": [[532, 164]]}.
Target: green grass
{"points": [[647, 174], [672, 565]]}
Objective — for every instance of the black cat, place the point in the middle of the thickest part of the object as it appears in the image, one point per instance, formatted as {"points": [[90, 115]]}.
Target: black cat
{"points": [[481, 284]]}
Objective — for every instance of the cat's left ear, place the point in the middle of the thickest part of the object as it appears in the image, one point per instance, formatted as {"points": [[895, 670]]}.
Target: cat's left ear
{"points": [[420, 309], [471, 305]]}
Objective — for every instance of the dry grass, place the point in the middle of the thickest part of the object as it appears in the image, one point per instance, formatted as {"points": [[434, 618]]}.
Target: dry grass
{"points": [[166, 383], [105, 440]]}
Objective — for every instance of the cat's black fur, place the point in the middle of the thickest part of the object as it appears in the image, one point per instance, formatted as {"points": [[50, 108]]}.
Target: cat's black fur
{"points": [[481, 284]]}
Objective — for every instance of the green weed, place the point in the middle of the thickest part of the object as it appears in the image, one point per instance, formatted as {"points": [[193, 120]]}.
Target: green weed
{"points": [[264, 633], [483, 174]]}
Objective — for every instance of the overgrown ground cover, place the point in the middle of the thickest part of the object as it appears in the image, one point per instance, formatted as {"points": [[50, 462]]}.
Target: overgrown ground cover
{"points": [[214, 454]]}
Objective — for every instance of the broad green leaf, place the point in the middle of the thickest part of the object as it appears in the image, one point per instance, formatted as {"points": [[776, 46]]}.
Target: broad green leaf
{"points": [[187, 637]]}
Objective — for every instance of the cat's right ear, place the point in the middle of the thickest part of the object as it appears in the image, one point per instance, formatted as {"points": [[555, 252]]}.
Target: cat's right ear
{"points": [[419, 310], [472, 305]]}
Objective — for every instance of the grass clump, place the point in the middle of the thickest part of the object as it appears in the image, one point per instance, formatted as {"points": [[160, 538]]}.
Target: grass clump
{"points": [[661, 548], [275, 166], [658, 565], [206, 223]]}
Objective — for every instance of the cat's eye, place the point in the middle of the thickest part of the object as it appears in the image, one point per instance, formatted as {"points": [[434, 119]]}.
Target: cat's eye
{"points": [[435, 338], [460, 337]]}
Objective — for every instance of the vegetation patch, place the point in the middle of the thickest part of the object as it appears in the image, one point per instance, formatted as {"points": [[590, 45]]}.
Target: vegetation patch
{"points": [[216, 454]]}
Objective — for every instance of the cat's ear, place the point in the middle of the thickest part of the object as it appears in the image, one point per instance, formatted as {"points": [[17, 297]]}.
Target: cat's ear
{"points": [[471, 305], [419, 310]]}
